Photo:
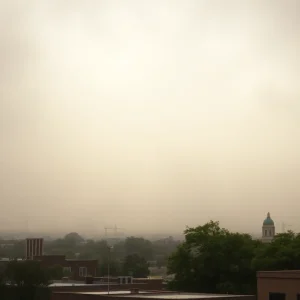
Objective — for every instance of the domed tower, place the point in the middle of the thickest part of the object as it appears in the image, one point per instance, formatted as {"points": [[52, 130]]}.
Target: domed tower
{"points": [[268, 229]]}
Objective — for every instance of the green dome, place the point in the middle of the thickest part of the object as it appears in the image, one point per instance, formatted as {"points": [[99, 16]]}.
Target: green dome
{"points": [[268, 220]]}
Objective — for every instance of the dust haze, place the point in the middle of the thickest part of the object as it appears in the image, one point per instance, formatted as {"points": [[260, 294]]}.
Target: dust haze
{"points": [[151, 115]]}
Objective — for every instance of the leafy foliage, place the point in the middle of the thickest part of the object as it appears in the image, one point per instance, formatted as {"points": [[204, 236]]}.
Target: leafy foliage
{"points": [[27, 273], [136, 266], [212, 259], [115, 268], [55, 272], [140, 246], [12, 248], [74, 238], [9, 292], [282, 254], [74, 246]]}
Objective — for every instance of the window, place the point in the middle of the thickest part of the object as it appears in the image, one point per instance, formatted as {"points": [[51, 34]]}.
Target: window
{"points": [[266, 232], [276, 296], [67, 269], [82, 272]]}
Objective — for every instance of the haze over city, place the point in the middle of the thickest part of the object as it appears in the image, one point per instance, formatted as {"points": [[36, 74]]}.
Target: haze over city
{"points": [[151, 115]]}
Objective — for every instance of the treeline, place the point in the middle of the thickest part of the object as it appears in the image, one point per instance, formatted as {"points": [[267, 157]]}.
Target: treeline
{"points": [[214, 260], [211, 259], [31, 273], [27, 273], [25, 280], [155, 253]]}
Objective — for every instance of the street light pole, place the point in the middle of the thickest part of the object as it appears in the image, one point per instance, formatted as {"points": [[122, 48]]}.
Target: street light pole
{"points": [[108, 270]]}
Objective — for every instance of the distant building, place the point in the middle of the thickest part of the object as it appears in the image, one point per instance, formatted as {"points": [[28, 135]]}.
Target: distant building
{"points": [[78, 269], [268, 229], [34, 247]]}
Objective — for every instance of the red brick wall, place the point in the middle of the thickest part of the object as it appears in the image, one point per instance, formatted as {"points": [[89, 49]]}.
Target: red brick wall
{"points": [[91, 266], [51, 260], [152, 284]]}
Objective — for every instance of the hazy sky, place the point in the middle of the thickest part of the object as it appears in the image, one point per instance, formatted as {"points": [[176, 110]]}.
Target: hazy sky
{"points": [[151, 115]]}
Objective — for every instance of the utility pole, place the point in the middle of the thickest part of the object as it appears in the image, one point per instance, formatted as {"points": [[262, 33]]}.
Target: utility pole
{"points": [[108, 269]]}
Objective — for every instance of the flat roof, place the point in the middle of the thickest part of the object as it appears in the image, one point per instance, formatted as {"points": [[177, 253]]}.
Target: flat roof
{"points": [[179, 296], [159, 295], [284, 274], [125, 293], [79, 284], [76, 259]]}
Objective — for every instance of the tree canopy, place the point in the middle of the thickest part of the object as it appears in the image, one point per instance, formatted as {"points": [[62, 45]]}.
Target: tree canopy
{"points": [[27, 273], [73, 237], [140, 246], [212, 259], [282, 254], [74, 246], [136, 266]]}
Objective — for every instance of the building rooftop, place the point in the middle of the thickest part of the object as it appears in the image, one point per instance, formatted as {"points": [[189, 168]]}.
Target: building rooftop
{"points": [[279, 274], [69, 284], [125, 293], [179, 296], [162, 295]]}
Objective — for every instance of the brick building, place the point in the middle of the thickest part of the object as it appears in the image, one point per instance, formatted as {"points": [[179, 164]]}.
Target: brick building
{"points": [[79, 269], [278, 285]]}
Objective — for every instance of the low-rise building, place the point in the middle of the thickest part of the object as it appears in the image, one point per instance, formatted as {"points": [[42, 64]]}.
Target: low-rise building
{"points": [[278, 285], [77, 268]]}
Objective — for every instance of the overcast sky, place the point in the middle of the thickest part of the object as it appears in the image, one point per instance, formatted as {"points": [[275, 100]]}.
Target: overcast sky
{"points": [[151, 115]]}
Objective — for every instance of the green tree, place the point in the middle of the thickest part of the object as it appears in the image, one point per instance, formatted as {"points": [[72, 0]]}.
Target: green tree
{"points": [[283, 253], [27, 273], [212, 259], [16, 251], [55, 272], [136, 266], [94, 250], [162, 249], [73, 238], [114, 268], [140, 246], [2, 276]]}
